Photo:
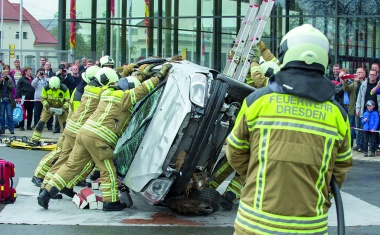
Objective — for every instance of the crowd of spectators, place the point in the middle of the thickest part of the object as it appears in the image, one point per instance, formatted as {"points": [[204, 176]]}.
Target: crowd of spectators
{"points": [[21, 84], [358, 95]]}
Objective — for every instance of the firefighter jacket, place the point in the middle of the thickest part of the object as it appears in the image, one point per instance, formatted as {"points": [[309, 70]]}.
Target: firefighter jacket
{"points": [[75, 98], [89, 103], [56, 99], [288, 147], [111, 117], [256, 78]]}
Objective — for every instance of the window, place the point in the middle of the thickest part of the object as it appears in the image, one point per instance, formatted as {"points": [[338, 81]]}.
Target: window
{"points": [[24, 35]]}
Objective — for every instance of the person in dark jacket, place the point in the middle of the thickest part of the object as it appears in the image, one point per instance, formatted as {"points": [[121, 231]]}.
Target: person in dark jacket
{"points": [[8, 102], [25, 88]]}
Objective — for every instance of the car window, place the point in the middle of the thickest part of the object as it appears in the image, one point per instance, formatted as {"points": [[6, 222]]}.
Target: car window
{"points": [[130, 140]]}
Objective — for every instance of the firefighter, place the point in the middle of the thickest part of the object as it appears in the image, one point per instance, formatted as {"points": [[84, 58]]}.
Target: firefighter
{"points": [[222, 170], [50, 159], [289, 138], [54, 95], [107, 61], [97, 138]]}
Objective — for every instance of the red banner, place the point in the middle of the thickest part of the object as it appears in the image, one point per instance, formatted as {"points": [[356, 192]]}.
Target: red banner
{"points": [[73, 25], [112, 8], [146, 20]]}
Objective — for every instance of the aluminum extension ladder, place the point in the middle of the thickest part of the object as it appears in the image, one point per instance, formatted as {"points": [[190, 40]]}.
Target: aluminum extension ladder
{"points": [[250, 33]]}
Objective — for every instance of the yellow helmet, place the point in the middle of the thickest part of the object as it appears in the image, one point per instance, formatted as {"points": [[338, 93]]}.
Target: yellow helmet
{"points": [[106, 76], [54, 82], [89, 74]]}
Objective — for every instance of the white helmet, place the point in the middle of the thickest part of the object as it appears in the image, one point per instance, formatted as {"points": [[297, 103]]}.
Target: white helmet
{"points": [[54, 82], [304, 47], [128, 83], [106, 76], [89, 73], [106, 60], [268, 68]]}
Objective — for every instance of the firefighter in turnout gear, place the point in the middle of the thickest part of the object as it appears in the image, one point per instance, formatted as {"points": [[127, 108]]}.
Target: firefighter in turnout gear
{"points": [[263, 65], [106, 61], [89, 102], [289, 138], [259, 78], [54, 95], [50, 159], [98, 136]]}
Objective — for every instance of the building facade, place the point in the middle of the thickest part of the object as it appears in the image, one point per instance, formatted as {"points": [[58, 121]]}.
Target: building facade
{"points": [[203, 30], [26, 43]]}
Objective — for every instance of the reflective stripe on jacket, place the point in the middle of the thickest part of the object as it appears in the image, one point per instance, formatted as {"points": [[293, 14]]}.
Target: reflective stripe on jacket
{"points": [[288, 147], [56, 99], [89, 102]]}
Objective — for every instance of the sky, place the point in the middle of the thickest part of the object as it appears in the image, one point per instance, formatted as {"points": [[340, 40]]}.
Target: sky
{"points": [[40, 9]]}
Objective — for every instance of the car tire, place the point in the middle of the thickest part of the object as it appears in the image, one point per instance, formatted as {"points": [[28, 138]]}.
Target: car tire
{"points": [[237, 91], [199, 202]]}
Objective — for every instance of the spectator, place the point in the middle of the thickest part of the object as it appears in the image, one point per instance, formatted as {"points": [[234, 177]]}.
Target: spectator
{"points": [[376, 67], [97, 63], [7, 67], [352, 88], [90, 63], [25, 88], [84, 64], [65, 77], [42, 61], [370, 121], [17, 72], [39, 82], [48, 70], [76, 77], [364, 95], [8, 102], [335, 75]]}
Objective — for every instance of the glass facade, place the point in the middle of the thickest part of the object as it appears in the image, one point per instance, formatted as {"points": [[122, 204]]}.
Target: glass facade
{"points": [[203, 30]]}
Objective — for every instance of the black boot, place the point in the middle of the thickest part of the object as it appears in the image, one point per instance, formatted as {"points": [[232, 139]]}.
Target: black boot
{"points": [[228, 200], [44, 197], [95, 175], [68, 192], [57, 196], [37, 181], [114, 206]]}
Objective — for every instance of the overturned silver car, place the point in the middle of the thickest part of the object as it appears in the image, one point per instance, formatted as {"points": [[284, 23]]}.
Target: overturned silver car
{"points": [[175, 136]]}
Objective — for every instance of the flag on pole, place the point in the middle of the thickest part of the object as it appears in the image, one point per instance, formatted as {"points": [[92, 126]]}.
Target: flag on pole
{"points": [[146, 20], [73, 25], [112, 8], [130, 24]]}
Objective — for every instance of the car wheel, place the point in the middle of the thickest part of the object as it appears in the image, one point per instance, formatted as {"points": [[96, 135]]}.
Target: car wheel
{"points": [[199, 202], [237, 91]]}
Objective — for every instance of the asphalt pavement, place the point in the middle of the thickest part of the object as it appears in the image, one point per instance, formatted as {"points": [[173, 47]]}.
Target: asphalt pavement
{"points": [[360, 194]]}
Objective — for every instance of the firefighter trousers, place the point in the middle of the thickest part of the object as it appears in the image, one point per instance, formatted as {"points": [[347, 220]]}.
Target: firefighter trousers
{"points": [[49, 159], [45, 116], [86, 149], [67, 147], [222, 170]]}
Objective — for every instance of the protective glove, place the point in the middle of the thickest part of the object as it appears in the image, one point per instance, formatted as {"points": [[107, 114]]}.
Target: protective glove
{"points": [[163, 72], [147, 72], [128, 70], [262, 46], [256, 54], [231, 55], [176, 58], [46, 106], [142, 67]]}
